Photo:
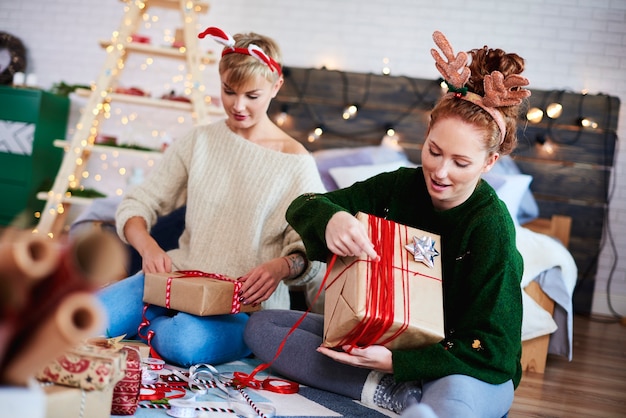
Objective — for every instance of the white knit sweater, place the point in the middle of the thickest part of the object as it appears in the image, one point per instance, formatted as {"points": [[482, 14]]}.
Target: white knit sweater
{"points": [[237, 194]]}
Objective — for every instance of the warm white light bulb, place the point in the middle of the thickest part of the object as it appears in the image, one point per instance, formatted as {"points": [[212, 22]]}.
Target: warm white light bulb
{"points": [[534, 115], [350, 111], [588, 123], [554, 110], [386, 69], [281, 118], [315, 134]]}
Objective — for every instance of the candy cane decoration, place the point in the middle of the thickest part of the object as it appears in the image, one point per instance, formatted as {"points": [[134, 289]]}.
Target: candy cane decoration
{"points": [[228, 41], [218, 36]]}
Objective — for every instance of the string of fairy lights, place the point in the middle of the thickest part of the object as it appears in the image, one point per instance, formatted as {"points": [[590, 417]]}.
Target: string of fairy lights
{"points": [[544, 115], [422, 99]]}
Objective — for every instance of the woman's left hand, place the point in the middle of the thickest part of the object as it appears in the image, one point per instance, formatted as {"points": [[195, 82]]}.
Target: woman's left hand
{"points": [[260, 282], [375, 357]]}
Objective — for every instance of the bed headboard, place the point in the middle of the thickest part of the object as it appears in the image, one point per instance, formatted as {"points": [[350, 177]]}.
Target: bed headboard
{"points": [[570, 163]]}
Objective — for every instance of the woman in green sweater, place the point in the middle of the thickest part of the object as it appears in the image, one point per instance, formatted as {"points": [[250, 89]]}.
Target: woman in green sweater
{"points": [[473, 371]]}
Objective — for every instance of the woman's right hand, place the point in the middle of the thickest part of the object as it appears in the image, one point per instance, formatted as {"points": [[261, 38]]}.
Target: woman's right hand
{"points": [[153, 258], [346, 236]]}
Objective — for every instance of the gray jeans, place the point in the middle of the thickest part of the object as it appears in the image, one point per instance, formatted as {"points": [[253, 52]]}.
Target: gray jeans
{"points": [[450, 396]]}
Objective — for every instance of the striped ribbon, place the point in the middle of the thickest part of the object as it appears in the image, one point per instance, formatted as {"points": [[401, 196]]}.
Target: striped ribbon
{"points": [[235, 303]]}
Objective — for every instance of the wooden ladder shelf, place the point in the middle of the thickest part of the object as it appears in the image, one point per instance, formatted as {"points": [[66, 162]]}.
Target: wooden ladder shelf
{"points": [[58, 198]]}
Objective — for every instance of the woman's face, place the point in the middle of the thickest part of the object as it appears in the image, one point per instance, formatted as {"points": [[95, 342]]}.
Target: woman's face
{"points": [[453, 158], [247, 105]]}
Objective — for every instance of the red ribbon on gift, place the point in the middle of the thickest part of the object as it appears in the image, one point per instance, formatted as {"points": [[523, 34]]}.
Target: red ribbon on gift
{"points": [[379, 304], [236, 304]]}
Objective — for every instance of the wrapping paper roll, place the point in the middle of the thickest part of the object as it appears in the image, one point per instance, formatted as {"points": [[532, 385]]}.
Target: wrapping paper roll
{"points": [[98, 257], [28, 255], [25, 258], [83, 265], [78, 317]]}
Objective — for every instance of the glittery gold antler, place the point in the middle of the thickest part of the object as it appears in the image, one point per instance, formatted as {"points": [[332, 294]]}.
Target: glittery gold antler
{"points": [[500, 91], [450, 69]]}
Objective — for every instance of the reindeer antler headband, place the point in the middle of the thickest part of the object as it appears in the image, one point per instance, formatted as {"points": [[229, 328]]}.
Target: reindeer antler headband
{"points": [[499, 91], [228, 41]]}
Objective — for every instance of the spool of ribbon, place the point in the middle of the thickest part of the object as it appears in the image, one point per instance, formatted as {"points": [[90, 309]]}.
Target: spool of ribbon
{"points": [[149, 377], [153, 363], [182, 408]]}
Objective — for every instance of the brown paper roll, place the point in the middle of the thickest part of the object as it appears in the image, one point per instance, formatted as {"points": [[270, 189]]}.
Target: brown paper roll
{"points": [[78, 317], [28, 255], [98, 257], [25, 258]]}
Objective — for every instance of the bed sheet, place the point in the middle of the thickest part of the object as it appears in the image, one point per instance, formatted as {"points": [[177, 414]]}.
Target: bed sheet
{"points": [[549, 263]]}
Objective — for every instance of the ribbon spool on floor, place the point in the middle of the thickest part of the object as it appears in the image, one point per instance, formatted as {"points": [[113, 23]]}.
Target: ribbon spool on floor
{"points": [[182, 408], [153, 363]]}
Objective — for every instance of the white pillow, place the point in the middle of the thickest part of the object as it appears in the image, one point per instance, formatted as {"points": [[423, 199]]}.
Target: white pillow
{"points": [[347, 176], [510, 188]]}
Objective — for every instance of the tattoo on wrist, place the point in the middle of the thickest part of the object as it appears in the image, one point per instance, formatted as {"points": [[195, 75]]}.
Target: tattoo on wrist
{"points": [[296, 263]]}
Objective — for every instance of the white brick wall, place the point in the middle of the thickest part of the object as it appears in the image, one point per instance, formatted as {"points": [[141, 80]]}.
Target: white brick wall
{"points": [[568, 44]]}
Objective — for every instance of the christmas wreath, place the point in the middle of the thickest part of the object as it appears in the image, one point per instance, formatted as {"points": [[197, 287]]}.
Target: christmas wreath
{"points": [[17, 57]]}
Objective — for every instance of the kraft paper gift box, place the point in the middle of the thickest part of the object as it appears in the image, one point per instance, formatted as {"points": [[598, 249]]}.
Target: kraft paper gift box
{"points": [[411, 314], [194, 292], [68, 402], [92, 365], [144, 349]]}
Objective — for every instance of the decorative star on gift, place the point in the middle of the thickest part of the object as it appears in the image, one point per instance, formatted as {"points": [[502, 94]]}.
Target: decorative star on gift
{"points": [[423, 250]]}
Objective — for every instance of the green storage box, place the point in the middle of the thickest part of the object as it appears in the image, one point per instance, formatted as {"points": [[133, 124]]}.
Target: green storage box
{"points": [[30, 121]]}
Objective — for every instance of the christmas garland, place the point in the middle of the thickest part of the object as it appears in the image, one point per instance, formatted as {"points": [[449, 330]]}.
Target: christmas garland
{"points": [[17, 53]]}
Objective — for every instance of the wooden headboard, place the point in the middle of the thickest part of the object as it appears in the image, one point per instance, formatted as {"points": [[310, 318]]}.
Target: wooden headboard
{"points": [[570, 164]]}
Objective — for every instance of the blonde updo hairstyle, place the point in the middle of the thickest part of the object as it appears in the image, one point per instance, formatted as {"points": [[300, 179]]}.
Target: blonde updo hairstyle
{"points": [[242, 68], [483, 62]]}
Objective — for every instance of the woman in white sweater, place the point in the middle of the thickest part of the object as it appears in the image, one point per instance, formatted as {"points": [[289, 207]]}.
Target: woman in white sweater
{"points": [[236, 177]]}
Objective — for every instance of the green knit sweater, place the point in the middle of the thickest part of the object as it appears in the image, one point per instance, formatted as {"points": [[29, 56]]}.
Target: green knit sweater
{"points": [[482, 271]]}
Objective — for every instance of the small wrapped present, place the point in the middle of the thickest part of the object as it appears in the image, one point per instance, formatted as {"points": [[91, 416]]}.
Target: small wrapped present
{"points": [[67, 402], [93, 365], [195, 292], [397, 301], [144, 349]]}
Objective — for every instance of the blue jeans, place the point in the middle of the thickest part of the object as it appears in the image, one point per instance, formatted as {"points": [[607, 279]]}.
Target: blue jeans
{"points": [[179, 338]]}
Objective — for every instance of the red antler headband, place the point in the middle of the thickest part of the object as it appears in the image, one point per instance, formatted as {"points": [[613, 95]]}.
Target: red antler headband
{"points": [[228, 41], [498, 89]]}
